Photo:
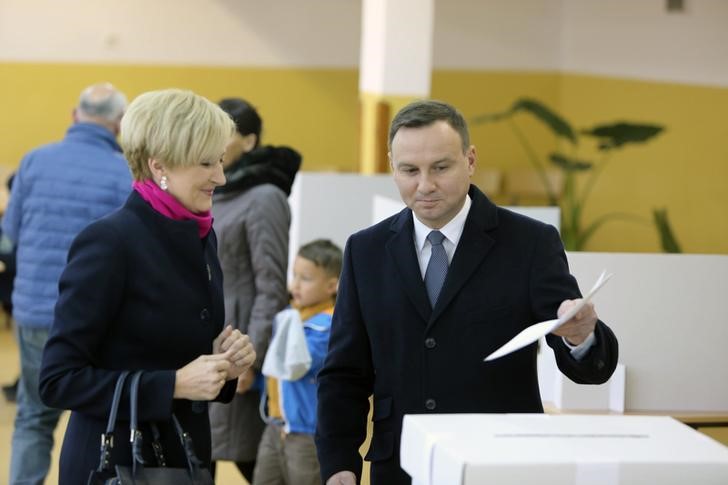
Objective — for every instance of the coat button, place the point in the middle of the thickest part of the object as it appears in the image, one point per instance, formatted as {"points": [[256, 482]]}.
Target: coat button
{"points": [[430, 404], [430, 343], [205, 314]]}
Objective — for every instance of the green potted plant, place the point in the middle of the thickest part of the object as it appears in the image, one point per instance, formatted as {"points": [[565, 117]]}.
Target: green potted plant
{"points": [[610, 137]]}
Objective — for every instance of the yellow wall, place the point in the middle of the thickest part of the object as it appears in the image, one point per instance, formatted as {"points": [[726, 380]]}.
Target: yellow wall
{"points": [[685, 169], [317, 112], [312, 110]]}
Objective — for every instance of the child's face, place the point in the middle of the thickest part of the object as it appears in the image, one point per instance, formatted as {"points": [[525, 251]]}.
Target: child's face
{"points": [[311, 284]]}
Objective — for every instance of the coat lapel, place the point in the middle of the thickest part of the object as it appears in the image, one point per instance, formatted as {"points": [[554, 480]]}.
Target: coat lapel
{"points": [[474, 245], [401, 249]]}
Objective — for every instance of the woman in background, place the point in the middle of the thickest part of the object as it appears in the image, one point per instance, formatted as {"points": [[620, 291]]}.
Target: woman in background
{"points": [[142, 290], [252, 218]]}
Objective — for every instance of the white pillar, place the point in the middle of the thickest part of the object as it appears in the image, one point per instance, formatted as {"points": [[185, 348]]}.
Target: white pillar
{"points": [[395, 68]]}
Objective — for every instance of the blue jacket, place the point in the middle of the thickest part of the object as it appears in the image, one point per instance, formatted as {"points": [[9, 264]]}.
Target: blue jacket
{"points": [[297, 399], [59, 189]]}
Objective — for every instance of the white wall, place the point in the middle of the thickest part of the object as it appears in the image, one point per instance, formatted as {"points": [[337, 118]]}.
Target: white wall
{"points": [[498, 34], [269, 33], [639, 39], [620, 38]]}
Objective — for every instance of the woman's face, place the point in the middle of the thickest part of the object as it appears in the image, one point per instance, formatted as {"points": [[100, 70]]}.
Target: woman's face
{"points": [[193, 185]]}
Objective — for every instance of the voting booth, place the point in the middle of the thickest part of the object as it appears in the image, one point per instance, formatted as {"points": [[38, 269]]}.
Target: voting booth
{"points": [[541, 449]]}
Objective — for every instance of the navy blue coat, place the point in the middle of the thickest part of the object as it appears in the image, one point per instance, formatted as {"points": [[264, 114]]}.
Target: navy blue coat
{"points": [[508, 272], [140, 292]]}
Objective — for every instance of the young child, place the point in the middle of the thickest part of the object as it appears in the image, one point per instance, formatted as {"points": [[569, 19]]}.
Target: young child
{"points": [[287, 454]]}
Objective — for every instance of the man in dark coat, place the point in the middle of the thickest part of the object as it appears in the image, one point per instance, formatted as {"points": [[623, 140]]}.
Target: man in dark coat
{"points": [[417, 312]]}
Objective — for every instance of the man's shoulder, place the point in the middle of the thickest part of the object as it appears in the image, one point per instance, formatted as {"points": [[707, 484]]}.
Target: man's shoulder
{"points": [[515, 217], [47, 151], [384, 227], [48, 156], [372, 239]]}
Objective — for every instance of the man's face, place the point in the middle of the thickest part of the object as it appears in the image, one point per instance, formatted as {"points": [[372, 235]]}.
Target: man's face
{"points": [[431, 171]]}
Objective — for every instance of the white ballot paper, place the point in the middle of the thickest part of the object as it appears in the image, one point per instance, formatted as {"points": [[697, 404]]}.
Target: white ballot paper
{"points": [[538, 330]]}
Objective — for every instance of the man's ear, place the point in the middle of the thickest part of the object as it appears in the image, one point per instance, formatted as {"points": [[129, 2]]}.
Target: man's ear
{"points": [[472, 159]]}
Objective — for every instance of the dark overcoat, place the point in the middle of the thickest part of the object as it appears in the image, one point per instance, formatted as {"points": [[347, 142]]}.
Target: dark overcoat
{"points": [[140, 292], [508, 272]]}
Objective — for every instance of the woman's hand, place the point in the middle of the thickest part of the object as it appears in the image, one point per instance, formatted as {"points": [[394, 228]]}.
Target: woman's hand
{"points": [[245, 381], [236, 348], [202, 379]]}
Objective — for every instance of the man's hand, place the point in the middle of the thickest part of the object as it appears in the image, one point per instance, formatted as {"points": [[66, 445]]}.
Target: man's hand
{"points": [[342, 478], [576, 330]]}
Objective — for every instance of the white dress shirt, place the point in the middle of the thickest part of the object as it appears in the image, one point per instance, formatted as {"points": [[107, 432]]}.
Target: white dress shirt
{"points": [[452, 232]]}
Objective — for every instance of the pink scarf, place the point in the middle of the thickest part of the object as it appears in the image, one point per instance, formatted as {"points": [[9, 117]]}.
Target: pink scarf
{"points": [[168, 206]]}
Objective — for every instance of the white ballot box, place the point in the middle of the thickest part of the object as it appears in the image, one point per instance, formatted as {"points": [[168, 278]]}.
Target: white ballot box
{"points": [[539, 449]]}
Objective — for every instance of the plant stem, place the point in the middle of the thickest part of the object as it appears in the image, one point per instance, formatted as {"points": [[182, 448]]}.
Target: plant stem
{"points": [[570, 213], [531, 154], [593, 176]]}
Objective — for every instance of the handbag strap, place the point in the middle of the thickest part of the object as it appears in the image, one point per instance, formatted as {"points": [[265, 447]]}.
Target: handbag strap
{"points": [[107, 438], [136, 434], [193, 463]]}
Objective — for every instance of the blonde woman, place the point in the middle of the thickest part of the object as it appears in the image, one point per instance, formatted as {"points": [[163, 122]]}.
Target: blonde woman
{"points": [[142, 290]]}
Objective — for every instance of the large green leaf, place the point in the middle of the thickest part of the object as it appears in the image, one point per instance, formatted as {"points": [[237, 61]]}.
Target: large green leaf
{"points": [[491, 117], [540, 111], [550, 118], [615, 135], [667, 236], [569, 164]]}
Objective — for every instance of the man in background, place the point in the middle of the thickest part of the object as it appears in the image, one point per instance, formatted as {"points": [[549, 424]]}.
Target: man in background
{"points": [[58, 190]]}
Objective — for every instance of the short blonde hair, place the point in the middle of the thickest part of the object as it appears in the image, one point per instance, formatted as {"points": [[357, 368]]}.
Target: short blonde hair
{"points": [[176, 127]]}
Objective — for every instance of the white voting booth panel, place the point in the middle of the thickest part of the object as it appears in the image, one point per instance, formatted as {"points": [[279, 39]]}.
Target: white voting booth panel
{"points": [[537, 449], [560, 392], [334, 205], [669, 314]]}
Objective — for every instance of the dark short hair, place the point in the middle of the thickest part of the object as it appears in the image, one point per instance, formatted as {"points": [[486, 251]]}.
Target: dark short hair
{"points": [[426, 112], [246, 117], [324, 254]]}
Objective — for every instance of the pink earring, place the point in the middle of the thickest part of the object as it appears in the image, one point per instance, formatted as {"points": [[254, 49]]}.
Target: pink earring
{"points": [[163, 183]]}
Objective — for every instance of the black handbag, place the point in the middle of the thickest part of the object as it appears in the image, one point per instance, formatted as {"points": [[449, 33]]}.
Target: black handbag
{"points": [[138, 473]]}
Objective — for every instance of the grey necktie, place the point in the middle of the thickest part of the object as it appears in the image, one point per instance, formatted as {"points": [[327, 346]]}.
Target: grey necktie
{"points": [[437, 267]]}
